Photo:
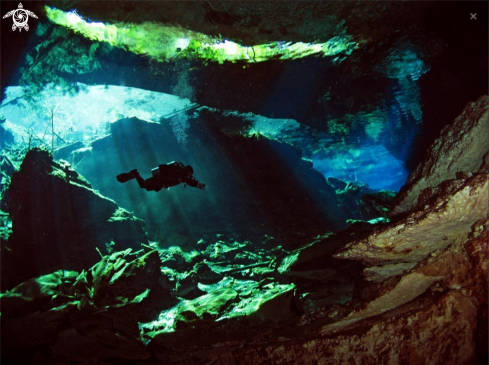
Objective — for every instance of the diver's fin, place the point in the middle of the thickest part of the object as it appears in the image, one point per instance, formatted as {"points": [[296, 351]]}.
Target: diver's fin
{"points": [[126, 176]]}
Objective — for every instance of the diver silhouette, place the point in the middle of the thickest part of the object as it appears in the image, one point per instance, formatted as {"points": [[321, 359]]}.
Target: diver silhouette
{"points": [[164, 176]]}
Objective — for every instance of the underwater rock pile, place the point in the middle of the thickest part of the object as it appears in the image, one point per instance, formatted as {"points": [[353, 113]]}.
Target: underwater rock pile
{"points": [[109, 311], [412, 288], [88, 316]]}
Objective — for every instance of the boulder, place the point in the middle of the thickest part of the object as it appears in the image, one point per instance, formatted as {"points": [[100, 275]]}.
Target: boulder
{"points": [[89, 316], [37, 294], [59, 221], [124, 288]]}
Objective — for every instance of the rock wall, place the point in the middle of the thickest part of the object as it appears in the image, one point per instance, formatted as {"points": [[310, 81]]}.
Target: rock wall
{"points": [[423, 298], [461, 147], [446, 219], [397, 338]]}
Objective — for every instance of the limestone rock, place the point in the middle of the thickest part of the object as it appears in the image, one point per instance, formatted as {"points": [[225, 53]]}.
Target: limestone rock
{"points": [[477, 283], [118, 275], [126, 289], [448, 218], [461, 269], [408, 288], [465, 268], [436, 331], [461, 146], [381, 273]]}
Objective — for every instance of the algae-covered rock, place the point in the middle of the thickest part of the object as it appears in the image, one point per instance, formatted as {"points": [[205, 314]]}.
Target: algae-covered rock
{"points": [[122, 276], [127, 288], [37, 294], [33, 311], [88, 316], [228, 300], [207, 306]]}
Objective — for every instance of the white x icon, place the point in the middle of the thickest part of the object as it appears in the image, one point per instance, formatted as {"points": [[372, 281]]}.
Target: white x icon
{"points": [[473, 16]]}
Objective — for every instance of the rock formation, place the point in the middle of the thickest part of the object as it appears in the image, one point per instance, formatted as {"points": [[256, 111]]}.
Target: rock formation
{"points": [[461, 147], [59, 221]]}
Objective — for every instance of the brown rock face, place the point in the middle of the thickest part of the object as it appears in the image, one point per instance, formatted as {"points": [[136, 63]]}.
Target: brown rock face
{"points": [[447, 219], [461, 147], [405, 323], [438, 331]]}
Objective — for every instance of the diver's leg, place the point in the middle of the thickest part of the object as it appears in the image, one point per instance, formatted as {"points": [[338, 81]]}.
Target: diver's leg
{"points": [[126, 176], [140, 180]]}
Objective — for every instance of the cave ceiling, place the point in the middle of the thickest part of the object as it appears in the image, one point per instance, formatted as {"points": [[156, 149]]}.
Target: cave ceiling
{"points": [[365, 78]]}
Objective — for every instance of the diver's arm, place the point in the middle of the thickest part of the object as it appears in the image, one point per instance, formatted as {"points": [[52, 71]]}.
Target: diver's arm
{"points": [[191, 181]]}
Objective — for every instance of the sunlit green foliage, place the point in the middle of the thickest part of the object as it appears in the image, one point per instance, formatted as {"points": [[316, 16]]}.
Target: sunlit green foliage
{"points": [[228, 298], [5, 226], [163, 42], [55, 55]]}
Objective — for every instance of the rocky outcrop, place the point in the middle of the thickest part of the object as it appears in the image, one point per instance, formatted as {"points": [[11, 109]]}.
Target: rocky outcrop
{"points": [[446, 219], [253, 184], [461, 147], [59, 221], [396, 338], [445, 196], [420, 270], [89, 316]]}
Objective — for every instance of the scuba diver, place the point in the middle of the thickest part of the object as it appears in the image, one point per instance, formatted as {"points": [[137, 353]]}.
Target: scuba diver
{"points": [[164, 176]]}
